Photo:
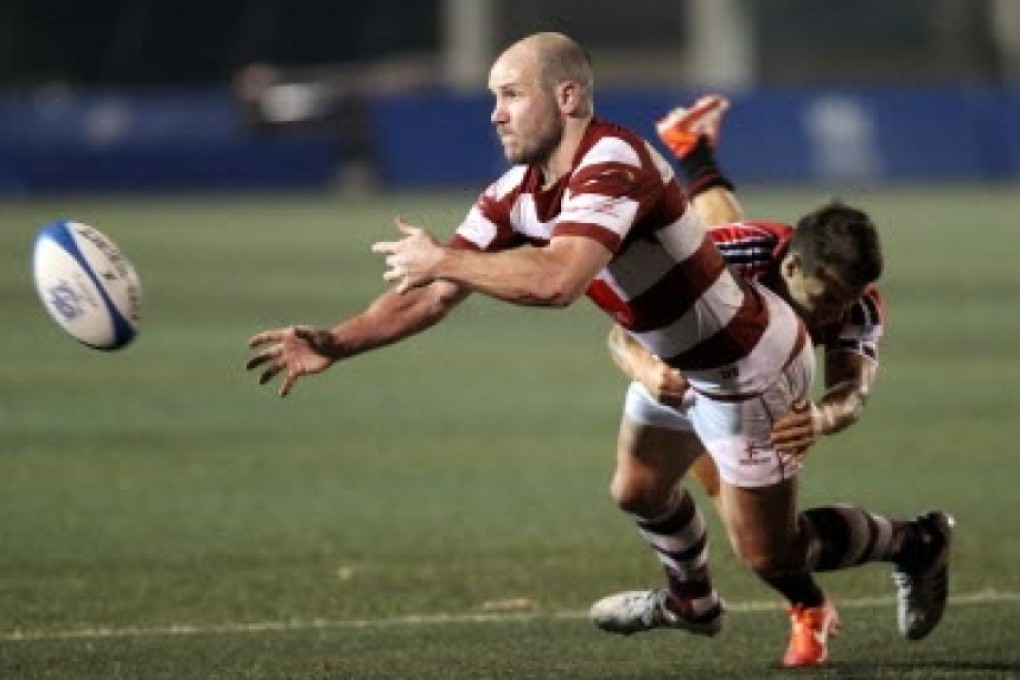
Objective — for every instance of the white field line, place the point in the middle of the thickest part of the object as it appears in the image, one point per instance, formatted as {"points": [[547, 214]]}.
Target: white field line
{"points": [[290, 625]]}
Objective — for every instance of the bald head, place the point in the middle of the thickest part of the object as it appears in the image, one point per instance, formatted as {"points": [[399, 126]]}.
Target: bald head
{"points": [[561, 59], [554, 58], [542, 87]]}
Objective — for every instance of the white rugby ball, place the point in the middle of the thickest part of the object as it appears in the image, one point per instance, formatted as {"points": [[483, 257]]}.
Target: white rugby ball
{"points": [[87, 285]]}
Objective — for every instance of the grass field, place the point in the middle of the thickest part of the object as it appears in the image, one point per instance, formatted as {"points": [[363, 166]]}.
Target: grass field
{"points": [[439, 509]]}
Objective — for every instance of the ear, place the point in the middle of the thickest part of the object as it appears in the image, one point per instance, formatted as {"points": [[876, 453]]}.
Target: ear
{"points": [[568, 96], [791, 264]]}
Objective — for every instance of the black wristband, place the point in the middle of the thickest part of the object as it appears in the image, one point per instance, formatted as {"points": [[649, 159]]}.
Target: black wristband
{"points": [[701, 170]]}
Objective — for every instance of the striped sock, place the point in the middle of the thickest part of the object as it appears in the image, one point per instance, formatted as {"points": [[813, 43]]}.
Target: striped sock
{"points": [[841, 536], [680, 540]]}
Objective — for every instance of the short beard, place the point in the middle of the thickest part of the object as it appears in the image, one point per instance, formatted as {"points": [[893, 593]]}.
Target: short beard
{"points": [[540, 151]]}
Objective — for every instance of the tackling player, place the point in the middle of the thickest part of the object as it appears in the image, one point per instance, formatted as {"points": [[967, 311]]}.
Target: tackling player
{"points": [[817, 269]]}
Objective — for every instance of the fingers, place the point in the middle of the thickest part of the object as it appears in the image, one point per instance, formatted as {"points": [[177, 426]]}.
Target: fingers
{"points": [[290, 379], [393, 272], [263, 357], [786, 435], [271, 358], [270, 373], [390, 247], [264, 337], [795, 444], [276, 367], [794, 433], [405, 226]]}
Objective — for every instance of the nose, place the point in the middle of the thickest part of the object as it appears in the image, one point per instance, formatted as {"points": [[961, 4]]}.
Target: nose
{"points": [[498, 115]]}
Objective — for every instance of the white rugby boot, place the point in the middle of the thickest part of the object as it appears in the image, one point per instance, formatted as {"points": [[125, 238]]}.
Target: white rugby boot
{"points": [[636, 611]]}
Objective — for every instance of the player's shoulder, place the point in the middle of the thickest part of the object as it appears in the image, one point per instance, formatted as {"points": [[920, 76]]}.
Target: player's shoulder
{"points": [[606, 142], [507, 184], [867, 310], [761, 232], [601, 130], [616, 153]]}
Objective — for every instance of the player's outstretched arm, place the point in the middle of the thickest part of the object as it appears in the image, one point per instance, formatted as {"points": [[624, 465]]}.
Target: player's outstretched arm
{"points": [[554, 275], [297, 351]]}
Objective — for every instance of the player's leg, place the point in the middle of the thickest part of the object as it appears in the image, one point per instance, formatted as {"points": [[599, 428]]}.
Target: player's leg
{"points": [[843, 536], [650, 464], [682, 128], [759, 500], [692, 134], [766, 534], [707, 474]]}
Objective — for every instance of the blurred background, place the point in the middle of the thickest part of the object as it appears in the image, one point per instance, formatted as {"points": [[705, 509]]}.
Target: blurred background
{"points": [[318, 94]]}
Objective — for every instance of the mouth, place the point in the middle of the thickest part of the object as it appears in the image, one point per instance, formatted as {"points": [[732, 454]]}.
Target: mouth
{"points": [[507, 142]]}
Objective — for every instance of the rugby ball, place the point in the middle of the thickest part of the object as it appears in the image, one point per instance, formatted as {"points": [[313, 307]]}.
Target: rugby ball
{"points": [[87, 285]]}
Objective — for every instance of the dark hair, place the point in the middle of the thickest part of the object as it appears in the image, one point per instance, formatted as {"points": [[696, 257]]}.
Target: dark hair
{"points": [[839, 237]]}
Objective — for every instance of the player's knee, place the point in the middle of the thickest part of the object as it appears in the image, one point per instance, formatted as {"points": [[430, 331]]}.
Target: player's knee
{"points": [[762, 564], [638, 496], [624, 493], [768, 564]]}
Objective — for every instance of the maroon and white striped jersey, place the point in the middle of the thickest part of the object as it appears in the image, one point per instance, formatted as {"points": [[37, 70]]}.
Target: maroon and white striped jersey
{"points": [[667, 283], [754, 249]]}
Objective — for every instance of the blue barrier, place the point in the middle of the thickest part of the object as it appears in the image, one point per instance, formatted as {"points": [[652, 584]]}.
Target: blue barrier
{"points": [[435, 140], [56, 139], [1005, 134], [859, 136], [846, 136]]}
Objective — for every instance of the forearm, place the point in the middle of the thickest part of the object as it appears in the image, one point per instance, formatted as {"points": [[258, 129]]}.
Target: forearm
{"points": [[637, 363], [394, 316], [540, 276], [839, 408], [629, 356], [849, 379]]}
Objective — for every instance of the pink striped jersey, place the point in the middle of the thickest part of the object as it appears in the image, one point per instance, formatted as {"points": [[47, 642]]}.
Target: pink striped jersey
{"points": [[755, 249], [667, 283]]}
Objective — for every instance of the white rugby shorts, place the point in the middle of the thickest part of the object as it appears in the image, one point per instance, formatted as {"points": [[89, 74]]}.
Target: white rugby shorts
{"points": [[735, 433]]}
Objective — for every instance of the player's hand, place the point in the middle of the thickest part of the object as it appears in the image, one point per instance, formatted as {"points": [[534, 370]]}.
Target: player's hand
{"points": [[664, 383], [295, 351], [412, 261], [796, 432]]}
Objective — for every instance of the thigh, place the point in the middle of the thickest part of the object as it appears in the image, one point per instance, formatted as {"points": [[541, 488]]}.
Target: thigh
{"points": [[657, 446], [654, 456]]}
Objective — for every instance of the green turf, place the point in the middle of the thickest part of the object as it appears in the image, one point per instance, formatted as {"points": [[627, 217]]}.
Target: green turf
{"points": [[161, 516]]}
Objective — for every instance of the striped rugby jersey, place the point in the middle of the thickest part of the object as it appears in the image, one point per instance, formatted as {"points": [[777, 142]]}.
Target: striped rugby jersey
{"points": [[667, 283], [754, 249]]}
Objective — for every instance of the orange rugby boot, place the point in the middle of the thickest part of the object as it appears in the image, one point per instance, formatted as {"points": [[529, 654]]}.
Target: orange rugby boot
{"points": [[809, 634], [681, 127]]}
